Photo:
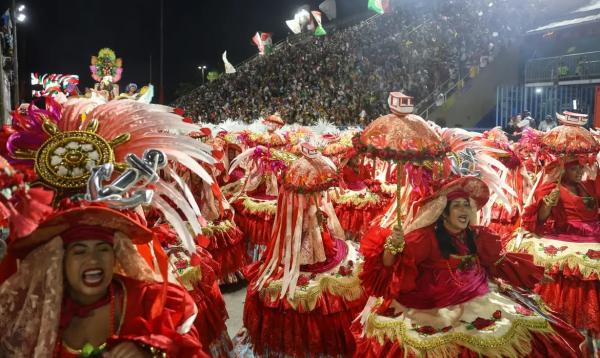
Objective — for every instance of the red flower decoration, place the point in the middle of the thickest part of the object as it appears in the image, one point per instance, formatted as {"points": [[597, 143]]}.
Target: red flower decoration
{"points": [[481, 323], [446, 329], [303, 280], [344, 271], [497, 315], [593, 254], [552, 250], [426, 330]]}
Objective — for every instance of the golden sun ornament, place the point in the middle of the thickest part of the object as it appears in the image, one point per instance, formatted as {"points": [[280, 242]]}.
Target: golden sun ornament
{"points": [[65, 159]]}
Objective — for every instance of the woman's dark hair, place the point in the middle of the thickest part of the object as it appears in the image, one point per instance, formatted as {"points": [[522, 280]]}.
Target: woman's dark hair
{"points": [[444, 239]]}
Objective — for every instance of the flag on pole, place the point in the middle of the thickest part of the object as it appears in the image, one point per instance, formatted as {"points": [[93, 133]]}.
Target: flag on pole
{"points": [[319, 31], [379, 6], [228, 66], [263, 41], [267, 40], [256, 39], [294, 25], [329, 8]]}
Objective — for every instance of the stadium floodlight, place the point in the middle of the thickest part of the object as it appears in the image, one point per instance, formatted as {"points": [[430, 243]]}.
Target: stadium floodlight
{"points": [[575, 104], [21, 17], [21, 8], [538, 90]]}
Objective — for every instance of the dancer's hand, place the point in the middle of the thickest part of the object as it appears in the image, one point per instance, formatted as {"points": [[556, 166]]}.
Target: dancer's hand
{"points": [[551, 200]]}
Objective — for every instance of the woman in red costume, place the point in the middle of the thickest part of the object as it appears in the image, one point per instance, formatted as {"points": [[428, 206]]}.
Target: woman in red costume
{"points": [[437, 297], [358, 203], [304, 292], [564, 214], [109, 300], [563, 226]]}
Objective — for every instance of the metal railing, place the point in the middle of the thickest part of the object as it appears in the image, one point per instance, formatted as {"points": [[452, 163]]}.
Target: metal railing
{"points": [[577, 66], [542, 101]]}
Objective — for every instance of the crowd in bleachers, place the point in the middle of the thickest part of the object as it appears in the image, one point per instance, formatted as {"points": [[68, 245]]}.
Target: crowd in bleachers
{"points": [[345, 77]]}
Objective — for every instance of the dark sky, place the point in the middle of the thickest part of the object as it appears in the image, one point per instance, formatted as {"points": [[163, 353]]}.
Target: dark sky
{"points": [[61, 36]]}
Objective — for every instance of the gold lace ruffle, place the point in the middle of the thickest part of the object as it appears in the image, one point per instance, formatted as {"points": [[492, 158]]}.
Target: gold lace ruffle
{"points": [[516, 342], [306, 297], [260, 207], [574, 257]]}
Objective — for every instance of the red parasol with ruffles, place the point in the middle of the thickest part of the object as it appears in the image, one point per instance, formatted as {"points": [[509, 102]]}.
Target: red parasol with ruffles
{"points": [[401, 137]]}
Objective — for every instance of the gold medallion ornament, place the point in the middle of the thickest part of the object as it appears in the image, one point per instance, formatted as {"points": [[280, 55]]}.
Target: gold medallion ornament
{"points": [[65, 159]]}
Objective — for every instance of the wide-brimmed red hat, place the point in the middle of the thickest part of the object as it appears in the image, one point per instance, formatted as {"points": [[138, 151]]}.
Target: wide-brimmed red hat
{"points": [[471, 186], [103, 217]]}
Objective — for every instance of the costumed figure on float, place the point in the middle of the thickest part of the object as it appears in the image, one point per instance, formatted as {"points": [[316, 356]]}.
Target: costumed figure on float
{"points": [[304, 292], [106, 70], [561, 227]]}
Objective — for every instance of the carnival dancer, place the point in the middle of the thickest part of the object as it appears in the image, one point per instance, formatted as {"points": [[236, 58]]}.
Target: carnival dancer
{"points": [[109, 300], [360, 198], [199, 273], [563, 226], [82, 289], [304, 292], [112, 133], [255, 202], [438, 300]]}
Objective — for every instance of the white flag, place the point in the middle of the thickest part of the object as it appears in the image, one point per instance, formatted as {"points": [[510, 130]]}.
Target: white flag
{"points": [[329, 8], [228, 66], [294, 25]]}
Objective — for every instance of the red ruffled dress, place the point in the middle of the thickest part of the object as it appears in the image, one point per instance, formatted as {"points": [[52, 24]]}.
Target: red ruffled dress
{"points": [[316, 321], [358, 206], [199, 275], [439, 307], [170, 330], [254, 215], [569, 246]]}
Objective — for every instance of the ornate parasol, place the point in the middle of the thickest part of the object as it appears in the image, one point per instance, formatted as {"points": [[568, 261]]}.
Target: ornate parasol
{"points": [[401, 137]]}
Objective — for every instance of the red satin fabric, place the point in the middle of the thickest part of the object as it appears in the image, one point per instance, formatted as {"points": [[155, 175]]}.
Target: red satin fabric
{"points": [[229, 250], [212, 314], [255, 226], [577, 301], [422, 278], [356, 221], [160, 332], [277, 328]]}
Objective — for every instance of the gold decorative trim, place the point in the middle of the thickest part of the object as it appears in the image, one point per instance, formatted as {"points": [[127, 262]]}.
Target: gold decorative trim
{"points": [[221, 227], [306, 297], [516, 342], [260, 207], [357, 199], [530, 244], [61, 161]]}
